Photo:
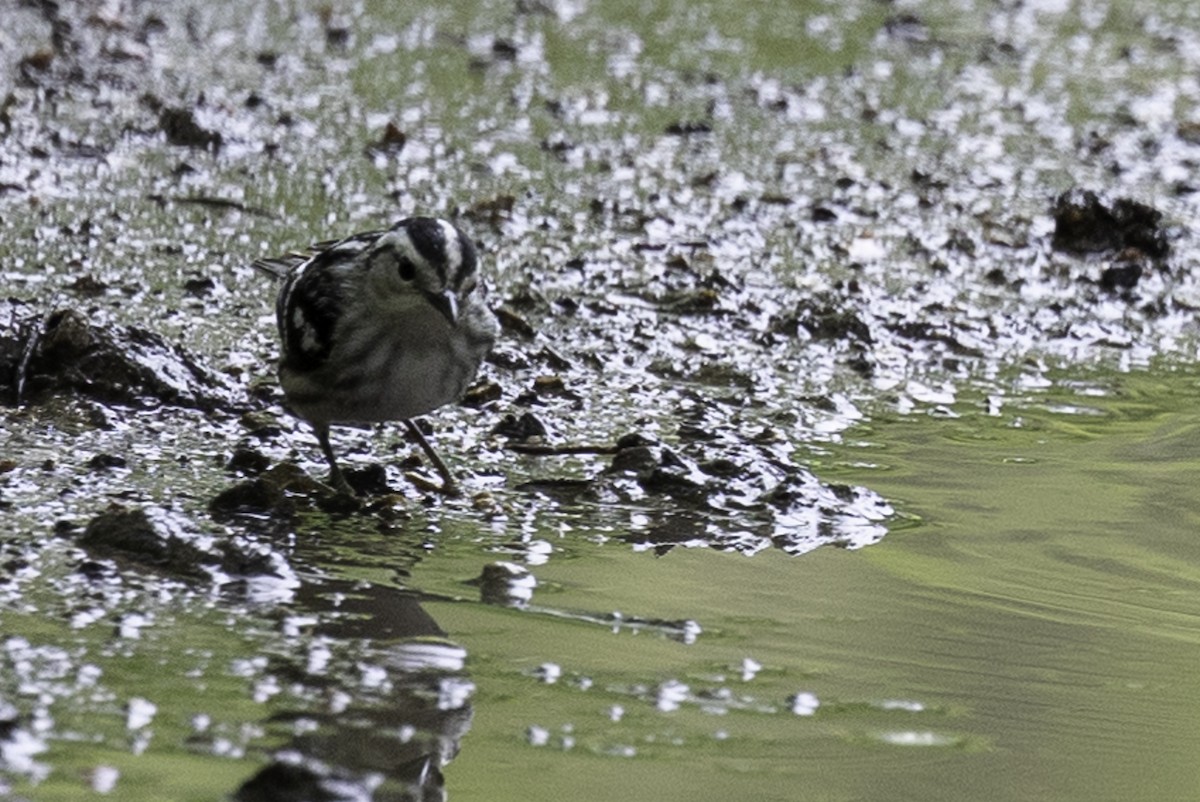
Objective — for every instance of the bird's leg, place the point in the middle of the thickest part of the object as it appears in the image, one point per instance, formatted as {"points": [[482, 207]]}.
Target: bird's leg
{"points": [[449, 486], [335, 473]]}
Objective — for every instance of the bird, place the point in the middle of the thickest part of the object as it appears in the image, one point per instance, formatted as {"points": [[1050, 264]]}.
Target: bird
{"points": [[381, 325]]}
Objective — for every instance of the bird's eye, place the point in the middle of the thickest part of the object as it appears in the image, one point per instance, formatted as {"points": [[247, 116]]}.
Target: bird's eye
{"points": [[407, 270]]}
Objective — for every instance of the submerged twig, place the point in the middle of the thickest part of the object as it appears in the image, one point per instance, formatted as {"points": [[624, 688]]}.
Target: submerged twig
{"points": [[544, 450]]}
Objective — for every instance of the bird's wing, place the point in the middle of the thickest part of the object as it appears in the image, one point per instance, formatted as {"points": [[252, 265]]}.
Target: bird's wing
{"points": [[279, 266]]}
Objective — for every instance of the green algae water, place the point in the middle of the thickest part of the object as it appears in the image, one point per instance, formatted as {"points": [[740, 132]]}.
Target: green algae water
{"points": [[815, 233], [1028, 633]]}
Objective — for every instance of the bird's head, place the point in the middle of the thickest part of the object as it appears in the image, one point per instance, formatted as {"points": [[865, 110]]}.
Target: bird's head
{"points": [[428, 258]]}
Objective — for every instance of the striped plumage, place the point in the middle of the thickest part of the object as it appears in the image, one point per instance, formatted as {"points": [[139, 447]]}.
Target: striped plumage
{"points": [[382, 325]]}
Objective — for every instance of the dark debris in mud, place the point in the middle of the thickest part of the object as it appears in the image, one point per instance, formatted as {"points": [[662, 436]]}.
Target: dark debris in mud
{"points": [[281, 491], [720, 488], [724, 479], [180, 127], [1128, 236], [741, 253], [1086, 223]]}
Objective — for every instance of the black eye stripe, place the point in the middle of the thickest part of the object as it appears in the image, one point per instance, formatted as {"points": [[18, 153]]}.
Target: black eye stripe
{"points": [[428, 238], [406, 269]]}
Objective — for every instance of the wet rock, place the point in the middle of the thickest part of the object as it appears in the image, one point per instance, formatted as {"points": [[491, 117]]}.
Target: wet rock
{"points": [[525, 427], [9, 717], [180, 127], [369, 480], [101, 462], [551, 386], [996, 277], [505, 50], [15, 566], [88, 286], [633, 440], [130, 534], [555, 359], [675, 482], [928, 331], [825, 319], [338, 33], [248, 462], [95, 570], [481, 394], [390, 143], [861, 361], [659, 470], [1121, 277], [671, 531], [512, 322], [1084, 222], [691, 431], [69, 355], [508, 358], [273, 493], [737, 489], [807, 513], [288, 781], [252, 497], [722, 468], [278, 492], [39, 60], [260, 424], [161, 540], [702, 301], [506, 584], [636, 459], [199, 286], [1189, 132]]}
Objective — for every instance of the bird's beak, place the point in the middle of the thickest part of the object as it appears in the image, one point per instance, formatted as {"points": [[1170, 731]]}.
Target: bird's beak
{"points": [[445, 302]]}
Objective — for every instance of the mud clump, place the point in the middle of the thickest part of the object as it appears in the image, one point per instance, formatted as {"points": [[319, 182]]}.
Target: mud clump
{"points": [[506, 584], [180, 127], [130, 534], [163, 541], [727, 490], [825, 321], [65, 353], [1086, 223], [1121, 277], [281, 491]]}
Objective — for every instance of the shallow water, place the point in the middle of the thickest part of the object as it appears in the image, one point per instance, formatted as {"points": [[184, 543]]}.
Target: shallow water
{"points": [[815, 237], [1026, 630], [1029, 634]]}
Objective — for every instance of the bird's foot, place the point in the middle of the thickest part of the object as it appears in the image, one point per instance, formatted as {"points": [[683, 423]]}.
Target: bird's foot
{"points": [[448, 487], [338, 484]]}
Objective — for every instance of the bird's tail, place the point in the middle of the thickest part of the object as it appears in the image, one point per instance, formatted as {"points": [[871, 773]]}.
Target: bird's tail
{"points": [[279, 266]]}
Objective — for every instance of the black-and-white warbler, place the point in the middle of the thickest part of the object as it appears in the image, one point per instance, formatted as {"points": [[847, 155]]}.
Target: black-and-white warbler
{"points": [[382, 325]]}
